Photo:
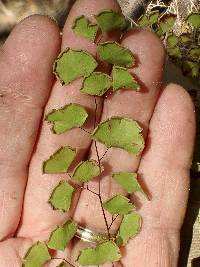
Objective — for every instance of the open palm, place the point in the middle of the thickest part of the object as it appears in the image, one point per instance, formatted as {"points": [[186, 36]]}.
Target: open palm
{"points": [[165, 112]]}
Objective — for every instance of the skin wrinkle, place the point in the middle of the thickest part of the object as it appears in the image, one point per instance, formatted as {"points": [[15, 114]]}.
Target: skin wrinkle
{"points": [[17, 141], [11, 203], [157, 218], [2, 207], [153, 240], [15, 95], [171, 252], [162, 190], [16, 247], [4, 201]]}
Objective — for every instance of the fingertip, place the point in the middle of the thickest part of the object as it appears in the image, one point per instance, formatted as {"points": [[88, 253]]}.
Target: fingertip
{"points": [[181, 96], [27, 57], [174, 123], [149, 53], [178, 98], [35, 31], [30, 50], [145, 41]]}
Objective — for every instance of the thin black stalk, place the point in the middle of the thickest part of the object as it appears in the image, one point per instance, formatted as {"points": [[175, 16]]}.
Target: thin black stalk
{"points": [[104, 154], [85, 130], [95, 112], [92, 191], [100, 199], [86, 188], [99, 182], [113, 220], [64, 261]]}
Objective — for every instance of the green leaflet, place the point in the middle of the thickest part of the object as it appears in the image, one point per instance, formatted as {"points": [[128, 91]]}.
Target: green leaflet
{"points": [[153, 17], [148, 20], [191, 68], [84, 28], [62, 235], [197, 166], [172, 40], [64, 264], [114, 53], [36, 256], [130, 227], [73, 64], [105, 252], [184, 38], [96, 84], [86, 170], [60, 161], [194, 19], [120, 132], [143, 21], [118, 205], [68, 117], [195, 53], [159, 32], [123, 79], [129, 182], [167, 23], [109, 20], [61, 196], [174, 52]]}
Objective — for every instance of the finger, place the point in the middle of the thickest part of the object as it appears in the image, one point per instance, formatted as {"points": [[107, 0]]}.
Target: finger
{"points": [[12, 251], [37, 211], [135, 105], [25, 82], [165, 169], [129, 104]]}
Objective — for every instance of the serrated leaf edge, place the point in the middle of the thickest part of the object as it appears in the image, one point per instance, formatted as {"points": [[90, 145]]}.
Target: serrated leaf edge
{"points": [[80, 163], [98, 73], [95, 248], [61, 182], [88, 24], [60, 109], [60, 55], [125, 198], [109, 11], [139, 230], [125, 48], [60, 226], [29, 249], [122, 118], [123, 68], [44, 163]]}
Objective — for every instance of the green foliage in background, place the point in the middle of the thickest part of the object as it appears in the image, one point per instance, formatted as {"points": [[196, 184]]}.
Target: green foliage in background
{"points": [[183, 49]]}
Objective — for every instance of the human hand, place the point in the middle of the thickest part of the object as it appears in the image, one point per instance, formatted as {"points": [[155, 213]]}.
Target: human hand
{"points": [[165, 112]]}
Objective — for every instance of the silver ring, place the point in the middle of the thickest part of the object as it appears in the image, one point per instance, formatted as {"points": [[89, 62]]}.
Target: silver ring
{"points": [[88, 235]]}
